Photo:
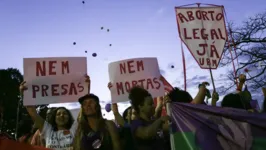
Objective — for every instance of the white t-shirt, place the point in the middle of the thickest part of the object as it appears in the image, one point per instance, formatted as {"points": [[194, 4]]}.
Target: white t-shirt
{"points": [[58, 140]]}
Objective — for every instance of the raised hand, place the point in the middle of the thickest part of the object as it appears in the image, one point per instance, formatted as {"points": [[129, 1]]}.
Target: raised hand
{"points": [[110, 85], [242, 78], [22, 87], [87, 79], [114, 108], [166, 100], [88, 82]]}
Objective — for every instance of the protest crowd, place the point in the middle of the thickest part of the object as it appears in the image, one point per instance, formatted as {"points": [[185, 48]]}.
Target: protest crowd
{"points": [[141, 126], [161, 117]]}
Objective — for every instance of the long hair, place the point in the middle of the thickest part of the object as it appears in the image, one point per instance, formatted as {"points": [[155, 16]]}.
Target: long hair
{"points": [[137, 96], [52, 119], [84, 128]]}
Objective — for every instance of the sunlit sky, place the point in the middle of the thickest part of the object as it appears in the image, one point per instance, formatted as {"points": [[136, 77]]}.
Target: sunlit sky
{"points": [[138, 28]]}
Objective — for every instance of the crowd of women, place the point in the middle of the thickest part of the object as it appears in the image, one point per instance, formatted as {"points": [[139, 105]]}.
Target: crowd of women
{"points": [[140, 127]]}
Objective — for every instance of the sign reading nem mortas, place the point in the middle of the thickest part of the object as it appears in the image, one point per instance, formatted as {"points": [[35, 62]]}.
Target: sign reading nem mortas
{"points": [[126, 74], [203, 31]]}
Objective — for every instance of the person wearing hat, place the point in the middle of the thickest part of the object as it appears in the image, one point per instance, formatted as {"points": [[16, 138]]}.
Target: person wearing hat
{"points": [[60, 131], [93, 131]]}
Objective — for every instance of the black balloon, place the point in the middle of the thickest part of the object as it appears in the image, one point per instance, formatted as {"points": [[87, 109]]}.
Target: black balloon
{"points": [[110, 44], [172, 66], [85, 51], [94, 54], [108, 30], [101, 28], [74, 43], [83, 2]]}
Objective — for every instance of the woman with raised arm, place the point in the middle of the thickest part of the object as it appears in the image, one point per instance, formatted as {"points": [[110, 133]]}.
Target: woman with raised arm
{"points": [[93, 131], [146, 131], [60, 131], [37, 139]]}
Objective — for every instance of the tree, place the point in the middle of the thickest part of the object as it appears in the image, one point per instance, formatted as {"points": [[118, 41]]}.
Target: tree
{"points": [[249, 49], [10, 99]]}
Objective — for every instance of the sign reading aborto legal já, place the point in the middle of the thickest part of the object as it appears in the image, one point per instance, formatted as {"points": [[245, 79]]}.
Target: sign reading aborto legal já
{"points": [[203, 31]]}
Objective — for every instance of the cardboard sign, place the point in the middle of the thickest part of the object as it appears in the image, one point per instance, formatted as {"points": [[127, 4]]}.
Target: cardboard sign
{"points": [[203, 31], [54, 80], [126, 74]]}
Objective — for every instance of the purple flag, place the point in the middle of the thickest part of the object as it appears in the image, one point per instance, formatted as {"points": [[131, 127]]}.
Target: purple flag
{"points": [[215, 128]]}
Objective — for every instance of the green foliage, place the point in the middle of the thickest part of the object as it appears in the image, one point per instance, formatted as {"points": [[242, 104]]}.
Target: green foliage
{"points": [[10, 80]]}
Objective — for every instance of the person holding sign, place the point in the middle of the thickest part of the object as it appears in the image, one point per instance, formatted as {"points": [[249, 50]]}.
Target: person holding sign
{"points": [[147, 132], [59, 133], [93, 131]]}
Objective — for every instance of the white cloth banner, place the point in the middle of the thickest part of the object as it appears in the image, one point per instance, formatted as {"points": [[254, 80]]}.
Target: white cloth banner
{"points": [[203, 31], [54, 80], [128, 73]]}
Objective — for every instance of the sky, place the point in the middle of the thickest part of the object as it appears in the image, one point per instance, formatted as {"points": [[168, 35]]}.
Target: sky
{"points": [[138, 28]]}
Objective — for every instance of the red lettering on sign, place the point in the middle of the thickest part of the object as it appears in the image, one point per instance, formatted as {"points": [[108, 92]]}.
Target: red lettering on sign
{"points": [[181, 17], [35, 89], [204, 15], [214, 51], [147, 84], [204, 36], [220, 33], [57, 89], [209, 61], [190, 15], [131, 66], [127, 85], [52, 67], [219, 16], [120, 88], [65, 67], [185, 34], [214, 34], [195, 32], [212, 17], [203, 48], [44, 90], [41, 68], [200, 15]]}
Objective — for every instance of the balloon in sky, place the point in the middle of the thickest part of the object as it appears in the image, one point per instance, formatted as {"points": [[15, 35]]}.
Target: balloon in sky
{"points": [[83, 2], [85, 51], [94, 54], [172, 67], [108, 107], [101, 28], [74, 43], [110, 44], [108, 30]]}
